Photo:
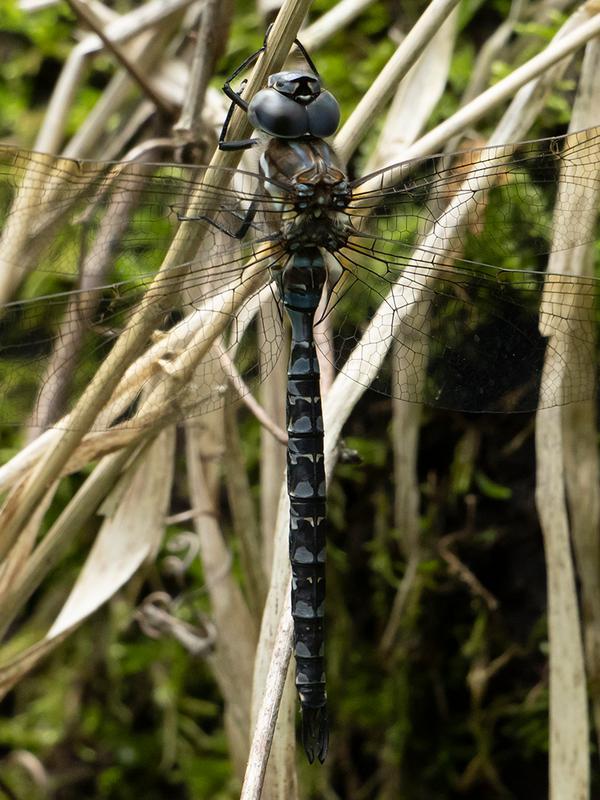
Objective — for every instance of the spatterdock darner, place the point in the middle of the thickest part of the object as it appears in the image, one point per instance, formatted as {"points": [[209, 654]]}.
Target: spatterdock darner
{"points": [[392, 261]]}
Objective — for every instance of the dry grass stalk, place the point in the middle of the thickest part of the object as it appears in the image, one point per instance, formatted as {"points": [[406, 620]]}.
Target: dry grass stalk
{"points": [[581, 460], [233, 658], [243, 514], [129, 538], [564, 473], [264, 729]]}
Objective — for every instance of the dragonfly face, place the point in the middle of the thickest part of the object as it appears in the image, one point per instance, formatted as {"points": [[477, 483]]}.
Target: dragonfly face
{"points": [[294, 105]]}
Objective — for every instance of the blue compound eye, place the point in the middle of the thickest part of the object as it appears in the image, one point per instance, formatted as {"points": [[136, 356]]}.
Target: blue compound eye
{"points": [[323, 115], [294, 105], [277, 115]]}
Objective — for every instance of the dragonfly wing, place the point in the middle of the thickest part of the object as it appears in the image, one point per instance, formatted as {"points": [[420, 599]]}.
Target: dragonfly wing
{"points": [[466, 338], [459, 332], [515, 202], [107, 229]]}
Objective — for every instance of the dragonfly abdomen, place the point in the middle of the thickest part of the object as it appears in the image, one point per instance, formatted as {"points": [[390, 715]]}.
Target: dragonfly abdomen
{"points": [[302, 281]]}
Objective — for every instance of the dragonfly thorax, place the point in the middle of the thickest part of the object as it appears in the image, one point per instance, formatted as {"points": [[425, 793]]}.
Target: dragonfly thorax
{"points": [[312, 229], [306, 174]]}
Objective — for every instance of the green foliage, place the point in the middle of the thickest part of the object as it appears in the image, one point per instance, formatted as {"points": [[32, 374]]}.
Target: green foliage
{"points": [[492, 489], [131, 711], [28, 43]]}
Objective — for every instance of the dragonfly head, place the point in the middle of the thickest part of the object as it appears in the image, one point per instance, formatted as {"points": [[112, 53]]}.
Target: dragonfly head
{"points": [[294, 105], [301, 87]]}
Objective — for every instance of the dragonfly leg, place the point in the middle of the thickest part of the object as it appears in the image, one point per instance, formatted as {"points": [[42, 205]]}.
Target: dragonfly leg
{"points": [[236, 99], [307, 58], [238, 144], [246, 221], [231, 93]]}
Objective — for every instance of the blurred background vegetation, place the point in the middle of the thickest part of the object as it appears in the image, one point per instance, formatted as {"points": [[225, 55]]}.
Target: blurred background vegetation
{"points": [[457, 707]]}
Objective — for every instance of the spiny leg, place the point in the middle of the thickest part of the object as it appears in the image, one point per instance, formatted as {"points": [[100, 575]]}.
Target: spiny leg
{"points": [[247, 220]]}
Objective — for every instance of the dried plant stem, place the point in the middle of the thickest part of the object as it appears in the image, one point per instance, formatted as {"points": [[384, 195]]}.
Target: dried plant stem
{"points": [[569, 756], [82, 11], [567, 467], [580, 432], [264, 729], [235, 649], [559, 48], [492, 49], [385, 85], [405, 441], [243, 514], [416, 97], [62, 533], [266, 421], [272, 457], [210, 38]]}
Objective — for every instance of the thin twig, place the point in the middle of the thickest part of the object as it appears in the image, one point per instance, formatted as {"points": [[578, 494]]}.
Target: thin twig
{"points": [[262, 737], [460, 569], [162, 104], [246, 396], [210, 37]]}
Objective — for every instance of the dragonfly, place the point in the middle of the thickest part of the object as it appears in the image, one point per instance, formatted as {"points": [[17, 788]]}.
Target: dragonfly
{"points": [[429, 273]]}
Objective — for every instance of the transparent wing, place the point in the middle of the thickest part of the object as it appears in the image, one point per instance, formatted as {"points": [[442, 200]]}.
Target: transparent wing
{"points": [[417, 279], [444, 277], [81, 243]]}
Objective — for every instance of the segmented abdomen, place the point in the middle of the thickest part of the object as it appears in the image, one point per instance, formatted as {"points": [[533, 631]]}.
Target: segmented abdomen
{"points": [[302, 282]]}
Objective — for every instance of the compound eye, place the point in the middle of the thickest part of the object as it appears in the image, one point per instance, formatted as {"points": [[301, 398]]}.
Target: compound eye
{"points": [[323, 115], [277, 115]]}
